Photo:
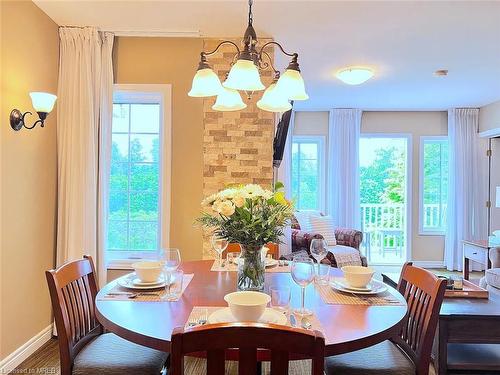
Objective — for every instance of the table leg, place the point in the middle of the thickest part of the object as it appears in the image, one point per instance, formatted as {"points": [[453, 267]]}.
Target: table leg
{"points": [[466, 268], [442, 361]]}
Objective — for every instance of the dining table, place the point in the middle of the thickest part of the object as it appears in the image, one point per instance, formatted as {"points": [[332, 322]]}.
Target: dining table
{"points": [[346, 327]]}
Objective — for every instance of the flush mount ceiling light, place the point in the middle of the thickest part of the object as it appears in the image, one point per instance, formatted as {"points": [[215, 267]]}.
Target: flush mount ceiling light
{"points": [[354, 76], [244, 75]]}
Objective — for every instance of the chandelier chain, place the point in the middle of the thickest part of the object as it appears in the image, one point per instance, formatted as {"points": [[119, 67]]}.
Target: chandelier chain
{"points": [[250, 15]]}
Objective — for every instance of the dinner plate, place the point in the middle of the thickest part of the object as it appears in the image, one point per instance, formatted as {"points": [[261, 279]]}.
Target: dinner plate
{"points": [[376, 287], [137, 282], [224, 315], [269, 262], [343, 282], [128, 282]]}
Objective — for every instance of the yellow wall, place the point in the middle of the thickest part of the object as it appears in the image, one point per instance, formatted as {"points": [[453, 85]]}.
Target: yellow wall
{"points": [[29, 58], [424, 248], [173, 61]]}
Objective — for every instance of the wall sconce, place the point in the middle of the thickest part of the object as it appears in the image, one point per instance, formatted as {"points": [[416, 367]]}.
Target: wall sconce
{"points": [[43, 104]]}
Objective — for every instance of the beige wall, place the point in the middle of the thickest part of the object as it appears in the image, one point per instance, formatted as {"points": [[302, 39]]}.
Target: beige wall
{"points": [[29, 57], [424, 248], [489, 118], [173, 61]]}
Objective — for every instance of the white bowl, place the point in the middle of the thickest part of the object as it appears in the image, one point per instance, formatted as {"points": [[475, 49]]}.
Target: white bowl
{"points": [[247, 306], [147, 271], [358, 276]]}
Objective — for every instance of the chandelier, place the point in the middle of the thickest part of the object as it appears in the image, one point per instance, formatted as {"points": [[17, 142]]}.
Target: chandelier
{"points": [[244, 76]]}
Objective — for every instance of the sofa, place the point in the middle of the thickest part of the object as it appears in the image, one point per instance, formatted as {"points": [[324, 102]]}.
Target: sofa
{"points": [[348, 240], [491, 279]]}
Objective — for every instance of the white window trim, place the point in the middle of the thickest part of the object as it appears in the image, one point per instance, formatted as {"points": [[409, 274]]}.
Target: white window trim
{"points": [[421, 230], [409, 183], [320, 140], [152, 93]]}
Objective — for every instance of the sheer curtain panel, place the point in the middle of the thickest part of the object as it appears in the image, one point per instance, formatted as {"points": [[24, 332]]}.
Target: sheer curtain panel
{"points": [[343, 167], [84, 143]]}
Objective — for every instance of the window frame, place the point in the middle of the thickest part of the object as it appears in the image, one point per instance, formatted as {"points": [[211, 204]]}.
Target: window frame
{"points": [[320, 141], [149, 94], [421, 230]]}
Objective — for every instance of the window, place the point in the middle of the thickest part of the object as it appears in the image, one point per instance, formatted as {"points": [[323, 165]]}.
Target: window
{"points": [[136, 182], [308, 172], [433, 184]]}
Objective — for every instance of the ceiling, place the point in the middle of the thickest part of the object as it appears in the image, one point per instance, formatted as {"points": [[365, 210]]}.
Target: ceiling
{"points": [[403, 41]]}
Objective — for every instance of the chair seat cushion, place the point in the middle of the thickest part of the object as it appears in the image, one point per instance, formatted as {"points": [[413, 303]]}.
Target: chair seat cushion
{"points": [[109, 354], [384, 358], [493, 277]]}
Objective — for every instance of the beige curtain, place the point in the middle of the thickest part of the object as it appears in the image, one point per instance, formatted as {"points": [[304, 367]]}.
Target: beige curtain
{"points": [[84, 142]]}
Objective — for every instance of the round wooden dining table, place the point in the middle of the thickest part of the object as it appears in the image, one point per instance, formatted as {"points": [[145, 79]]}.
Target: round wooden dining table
{"points": [[346, 327]]}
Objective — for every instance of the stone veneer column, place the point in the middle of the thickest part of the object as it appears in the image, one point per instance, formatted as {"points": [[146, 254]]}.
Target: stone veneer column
{"points": [[237, 146]]}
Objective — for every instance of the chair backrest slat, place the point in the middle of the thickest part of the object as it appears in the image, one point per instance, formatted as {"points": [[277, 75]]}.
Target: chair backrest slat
{"points": [[424, 293], [73, 288], [248, 338]]}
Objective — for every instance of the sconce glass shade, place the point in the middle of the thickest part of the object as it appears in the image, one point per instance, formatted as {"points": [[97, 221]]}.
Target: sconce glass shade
{"points": [[244, 76], [228, 100], [355, 76], [273, 100], [205, 83], [42, 101], [292, 85]]}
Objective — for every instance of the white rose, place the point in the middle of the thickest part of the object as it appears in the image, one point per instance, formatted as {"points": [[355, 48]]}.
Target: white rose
{"points": [[239, 200], [216, 205], [226, 208]]}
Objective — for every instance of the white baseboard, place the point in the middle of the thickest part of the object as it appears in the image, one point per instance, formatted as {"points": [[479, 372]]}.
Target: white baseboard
{"points": [[15, 358], [428, 263]]}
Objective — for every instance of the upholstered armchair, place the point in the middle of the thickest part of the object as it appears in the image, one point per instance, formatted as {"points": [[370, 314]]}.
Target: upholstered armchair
{"points": [[301, 241]]}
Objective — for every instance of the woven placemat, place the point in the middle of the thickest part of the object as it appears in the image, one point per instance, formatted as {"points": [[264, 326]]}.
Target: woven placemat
{"points": [[201, 313], [118, 293], [231, 267], [334, 297]]}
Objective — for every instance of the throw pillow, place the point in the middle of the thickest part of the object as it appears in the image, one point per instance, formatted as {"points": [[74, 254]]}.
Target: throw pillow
{"points": [[303, 219], [324, 226]]}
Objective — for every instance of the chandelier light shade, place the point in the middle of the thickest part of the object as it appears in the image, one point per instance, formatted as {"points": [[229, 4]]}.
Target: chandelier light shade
{"points": [[244, 75], [273, 100], [228, 100], [205, 84], [292, 84], [354, 76]]}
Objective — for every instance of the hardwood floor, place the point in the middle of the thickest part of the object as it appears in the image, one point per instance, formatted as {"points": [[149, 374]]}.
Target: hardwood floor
{"points": [[45, 361]]}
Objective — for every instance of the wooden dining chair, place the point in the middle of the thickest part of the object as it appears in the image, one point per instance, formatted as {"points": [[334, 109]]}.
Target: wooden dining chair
{"points": [[214, 339], [409, 353], [235, 248], [84, 348]]}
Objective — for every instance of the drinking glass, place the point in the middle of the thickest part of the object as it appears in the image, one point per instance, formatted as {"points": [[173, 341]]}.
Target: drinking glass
{"points": [[174, 288], [280, 298], [219, 244], [319, 250], [302, 270], [323, 274], [170, 259]]}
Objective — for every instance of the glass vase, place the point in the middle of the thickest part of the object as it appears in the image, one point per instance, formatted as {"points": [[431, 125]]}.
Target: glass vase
{"points": [[251, 269]]}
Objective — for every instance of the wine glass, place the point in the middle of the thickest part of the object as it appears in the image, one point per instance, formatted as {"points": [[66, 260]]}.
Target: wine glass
{"points": [[219, 244], [303, 274], [170, 260], [319, 250]]}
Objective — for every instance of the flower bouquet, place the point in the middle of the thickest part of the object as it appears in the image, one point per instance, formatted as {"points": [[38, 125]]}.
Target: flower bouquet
{"points": [[252, 217]]}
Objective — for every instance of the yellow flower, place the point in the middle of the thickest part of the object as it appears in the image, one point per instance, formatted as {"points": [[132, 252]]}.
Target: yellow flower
{"points": [[279, 197]]}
